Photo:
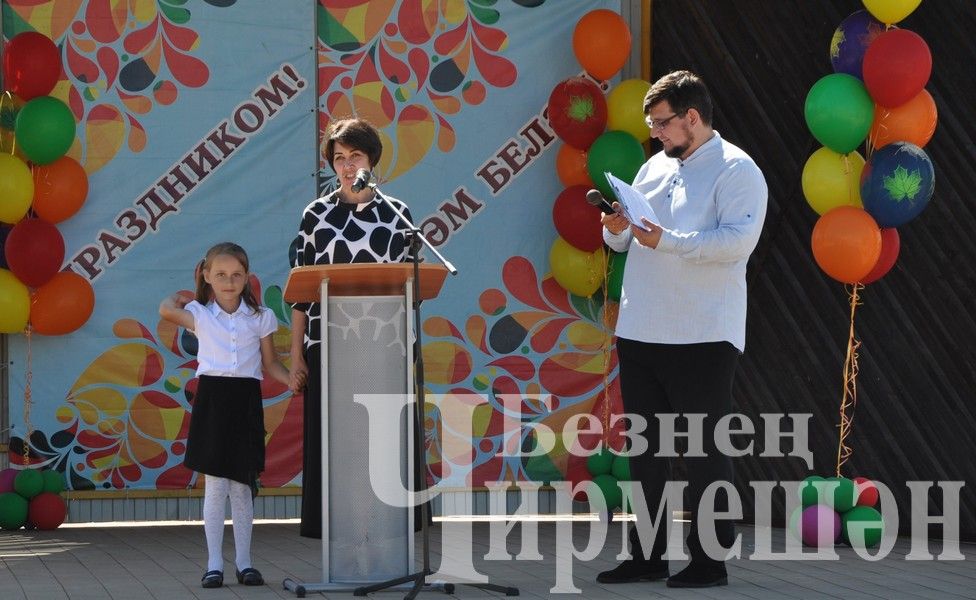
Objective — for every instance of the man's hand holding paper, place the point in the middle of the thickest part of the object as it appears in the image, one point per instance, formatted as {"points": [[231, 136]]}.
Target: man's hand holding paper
{"points": [[638, 212]]}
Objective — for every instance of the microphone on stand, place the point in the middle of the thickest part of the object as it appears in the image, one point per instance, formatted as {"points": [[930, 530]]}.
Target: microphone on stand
{"points": [[593, 197], [363, 177]]}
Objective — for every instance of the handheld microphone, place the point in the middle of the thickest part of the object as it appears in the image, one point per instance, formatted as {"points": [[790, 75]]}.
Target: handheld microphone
{"points": [[362, 180], [595, 198]]}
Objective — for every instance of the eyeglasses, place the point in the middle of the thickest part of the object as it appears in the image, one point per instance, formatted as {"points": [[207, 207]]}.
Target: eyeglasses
{"points": [[660, 123]]}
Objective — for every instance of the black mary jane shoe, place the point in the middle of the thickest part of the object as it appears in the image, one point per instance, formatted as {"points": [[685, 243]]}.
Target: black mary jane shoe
{"points": [[250, 576], [212, 579]]}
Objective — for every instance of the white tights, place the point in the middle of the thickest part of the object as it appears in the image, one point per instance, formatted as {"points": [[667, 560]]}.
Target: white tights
{"points": [[217, 489]]}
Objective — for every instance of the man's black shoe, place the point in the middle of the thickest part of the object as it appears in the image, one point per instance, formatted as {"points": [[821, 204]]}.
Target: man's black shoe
{"points": [[632, 570], [699, 575]]}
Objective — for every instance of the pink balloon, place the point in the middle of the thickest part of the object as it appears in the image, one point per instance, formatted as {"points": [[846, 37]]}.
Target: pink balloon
{"points": [[819, 526]]}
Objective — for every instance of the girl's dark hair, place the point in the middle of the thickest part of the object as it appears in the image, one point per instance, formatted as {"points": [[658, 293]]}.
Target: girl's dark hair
{"points": [[358, 134], [682, 90], [205, 292]]}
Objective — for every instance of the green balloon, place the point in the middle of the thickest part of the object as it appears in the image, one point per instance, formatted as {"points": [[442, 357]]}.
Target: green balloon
{"points": [[53, 481], [45, 129], [29, 483], [611, 493], [809, 492], [600, 463], [13, 511], [839, 112], [615, 275], [617, 152], [844, 496], [621, 468], [853, 520]]}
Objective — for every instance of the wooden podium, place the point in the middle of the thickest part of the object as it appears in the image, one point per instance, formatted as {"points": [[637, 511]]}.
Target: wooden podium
{"points": [[367, 348]]}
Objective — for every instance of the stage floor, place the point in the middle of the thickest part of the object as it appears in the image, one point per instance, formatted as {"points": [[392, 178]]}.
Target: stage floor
{"points": [[166, 561]]}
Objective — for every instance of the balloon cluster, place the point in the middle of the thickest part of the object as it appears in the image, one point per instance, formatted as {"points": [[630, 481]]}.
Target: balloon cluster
{"points": [[876, 94], [600, 133], [31, 498], [837, 509], [607, 468], [39, 187]]}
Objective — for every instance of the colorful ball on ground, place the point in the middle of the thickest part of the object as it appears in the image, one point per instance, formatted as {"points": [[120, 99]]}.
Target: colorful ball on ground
{"points": [[819, 526], [53, 481], [867, 492], [897, 183], [611, 492], [46, 511], [621, 468], [7, 480], [843, 496], [13, 511], [29, 483], [862, 527], [600, 463], [810, 490]]}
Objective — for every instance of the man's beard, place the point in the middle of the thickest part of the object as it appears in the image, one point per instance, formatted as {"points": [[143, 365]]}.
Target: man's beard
{"points": [[676, 151]]}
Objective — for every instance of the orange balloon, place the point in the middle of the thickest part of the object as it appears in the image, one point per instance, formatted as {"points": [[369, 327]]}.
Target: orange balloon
{"points": [[601, 43], [912, 122], [62, 305], [571, 167], [60, 188], [846, 243]]}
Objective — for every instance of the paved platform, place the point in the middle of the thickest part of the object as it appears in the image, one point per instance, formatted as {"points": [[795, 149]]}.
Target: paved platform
{"points": [[166, 561]]}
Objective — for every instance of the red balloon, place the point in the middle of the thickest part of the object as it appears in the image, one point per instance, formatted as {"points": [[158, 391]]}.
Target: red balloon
{"points": [[577, 111], [896, 67], [60, 188], [31, 65], [46, 511], [34, 251], [867, 492], [890, 245], [62, 305], [576, 220]]}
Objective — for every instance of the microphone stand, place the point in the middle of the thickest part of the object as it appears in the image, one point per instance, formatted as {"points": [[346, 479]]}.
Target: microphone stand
{"points": [[420, 577]]}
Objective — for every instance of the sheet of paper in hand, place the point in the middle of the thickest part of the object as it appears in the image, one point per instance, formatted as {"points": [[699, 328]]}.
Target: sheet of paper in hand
{"points": [[633, 204]]}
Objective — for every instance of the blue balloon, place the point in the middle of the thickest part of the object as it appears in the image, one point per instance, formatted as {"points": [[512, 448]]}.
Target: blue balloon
{"points": [[851, 40], [897, 183]]}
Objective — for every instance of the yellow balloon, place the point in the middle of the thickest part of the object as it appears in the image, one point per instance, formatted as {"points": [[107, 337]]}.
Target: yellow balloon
{"points": [[14, 303], [625, 108], [16, 188], [830, 180], [578, 272], [891, 11]]}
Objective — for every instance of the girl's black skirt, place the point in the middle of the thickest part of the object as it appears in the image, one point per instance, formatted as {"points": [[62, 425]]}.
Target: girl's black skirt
{"points": [[226, 436]]}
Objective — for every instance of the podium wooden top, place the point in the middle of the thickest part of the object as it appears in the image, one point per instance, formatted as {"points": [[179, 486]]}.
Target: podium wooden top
{"points": [[361, 279]]}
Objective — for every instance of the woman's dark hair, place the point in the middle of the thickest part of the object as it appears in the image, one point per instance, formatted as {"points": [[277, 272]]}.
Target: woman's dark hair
{"points": [[682, 90], [205, 291], [358, 134]]}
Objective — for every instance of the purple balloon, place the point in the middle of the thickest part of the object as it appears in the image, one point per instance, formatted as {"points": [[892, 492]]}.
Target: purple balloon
{"points": [[7, 477], [819, 526], [851, 40]]}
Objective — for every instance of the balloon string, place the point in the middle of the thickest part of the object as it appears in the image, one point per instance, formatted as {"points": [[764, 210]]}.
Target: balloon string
{"points": [[849, 400], [29, 429], [605, 350]]}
